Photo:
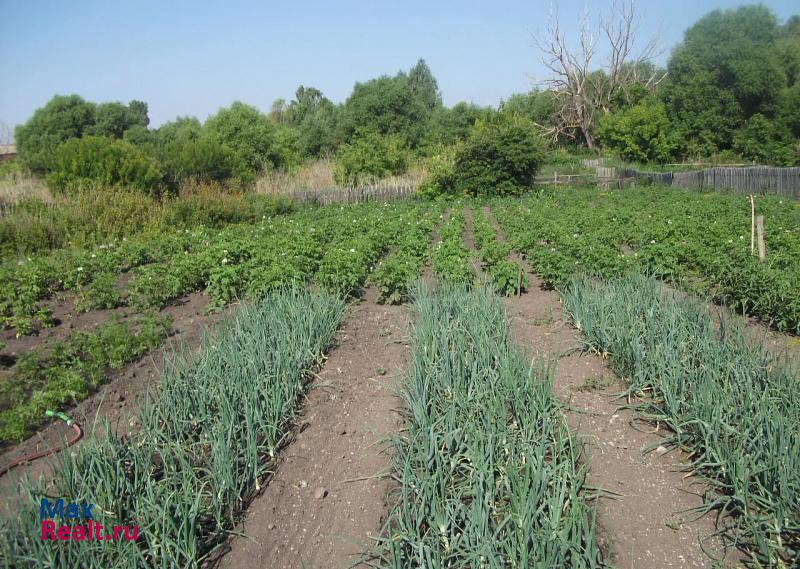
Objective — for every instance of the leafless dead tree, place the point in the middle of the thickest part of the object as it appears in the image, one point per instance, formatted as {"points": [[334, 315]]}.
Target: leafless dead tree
{"points": [[583, 92]]}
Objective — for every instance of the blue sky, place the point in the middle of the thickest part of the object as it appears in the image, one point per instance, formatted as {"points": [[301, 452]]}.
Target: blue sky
{"points": [[191, 58]]}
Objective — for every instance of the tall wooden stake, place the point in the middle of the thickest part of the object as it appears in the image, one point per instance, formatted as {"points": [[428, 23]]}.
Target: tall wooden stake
{"points": [[762, 248], [752, 225], [519, 281]]}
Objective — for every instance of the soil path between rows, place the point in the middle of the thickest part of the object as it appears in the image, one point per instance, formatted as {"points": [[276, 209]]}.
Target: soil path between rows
{"points": [[469, 243], [327, 498], [646, 524], [426, 273]]}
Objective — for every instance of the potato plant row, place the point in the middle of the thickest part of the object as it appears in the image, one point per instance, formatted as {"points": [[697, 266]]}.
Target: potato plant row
{"points": [[449, 259], [488, 470], [698, 241], [506, 275], [208, 438], [335, 246], [724, 398], [395, 275]]}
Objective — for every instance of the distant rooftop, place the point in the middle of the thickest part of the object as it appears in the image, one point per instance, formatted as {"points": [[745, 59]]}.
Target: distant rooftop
{"points": [[7, 149]]}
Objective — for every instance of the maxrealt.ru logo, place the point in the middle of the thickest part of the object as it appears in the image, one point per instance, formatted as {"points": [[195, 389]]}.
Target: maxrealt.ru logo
{"points": [[83, 527]]}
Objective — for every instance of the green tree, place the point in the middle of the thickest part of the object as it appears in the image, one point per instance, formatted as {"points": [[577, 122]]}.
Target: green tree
{"points": [[789, 110], [640, 133], [248, 133], [500, 157], [766, 142], [277, 111], [424, 86], [139, 110], [536, 106], [314, 118], [113, 119], [726, 70], [388, 106], [788, 46], [62, 118], [448, 126]]}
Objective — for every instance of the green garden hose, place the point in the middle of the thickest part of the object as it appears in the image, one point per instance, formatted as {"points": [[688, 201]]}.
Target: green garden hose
{"points": [[76, 436]]}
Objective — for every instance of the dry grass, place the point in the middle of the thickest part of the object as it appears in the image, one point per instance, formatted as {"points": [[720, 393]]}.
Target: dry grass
{"points": [[317, 176], [16, 186]]}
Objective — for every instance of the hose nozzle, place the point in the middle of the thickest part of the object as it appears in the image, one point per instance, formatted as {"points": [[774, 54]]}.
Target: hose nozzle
{"points": [[63, 416]]}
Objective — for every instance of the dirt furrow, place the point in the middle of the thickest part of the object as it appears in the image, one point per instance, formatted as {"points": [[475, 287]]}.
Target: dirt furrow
{"points": [[327, 498], [644, 521], [426, 273], [469, 243]]}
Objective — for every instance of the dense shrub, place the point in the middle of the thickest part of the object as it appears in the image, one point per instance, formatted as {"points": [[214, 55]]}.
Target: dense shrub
{"points": [[440, 176], [368, 156], [200, 159], [92, 217], [765, 142], [287, 148], [640, 133], [500, 157], [62, 118], [187, 152], [94, 161]]}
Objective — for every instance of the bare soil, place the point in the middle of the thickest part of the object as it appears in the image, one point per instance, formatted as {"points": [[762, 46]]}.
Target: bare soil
{"points": [[645, 521], [327, 498]]}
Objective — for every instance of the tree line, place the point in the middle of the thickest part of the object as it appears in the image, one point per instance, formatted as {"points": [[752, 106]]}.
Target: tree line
{"points": [[730, 89]]}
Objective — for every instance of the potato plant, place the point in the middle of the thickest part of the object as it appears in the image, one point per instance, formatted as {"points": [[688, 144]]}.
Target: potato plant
{"points": [[505, 275], [66, 372], [240, 260], [395, 274], [698, 241]]}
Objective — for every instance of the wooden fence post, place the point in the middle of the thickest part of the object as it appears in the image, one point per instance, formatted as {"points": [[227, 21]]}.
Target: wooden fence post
{"points": [[752, 225], [762, 248]]}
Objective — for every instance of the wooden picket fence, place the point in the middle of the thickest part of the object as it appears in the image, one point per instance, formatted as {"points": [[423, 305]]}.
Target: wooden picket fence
{"points": [[355, 195], [322, 197], [754, 180]]}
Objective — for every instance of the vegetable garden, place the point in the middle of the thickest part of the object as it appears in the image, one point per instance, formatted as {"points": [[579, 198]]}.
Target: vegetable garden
{"points": [[488, 472]]}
